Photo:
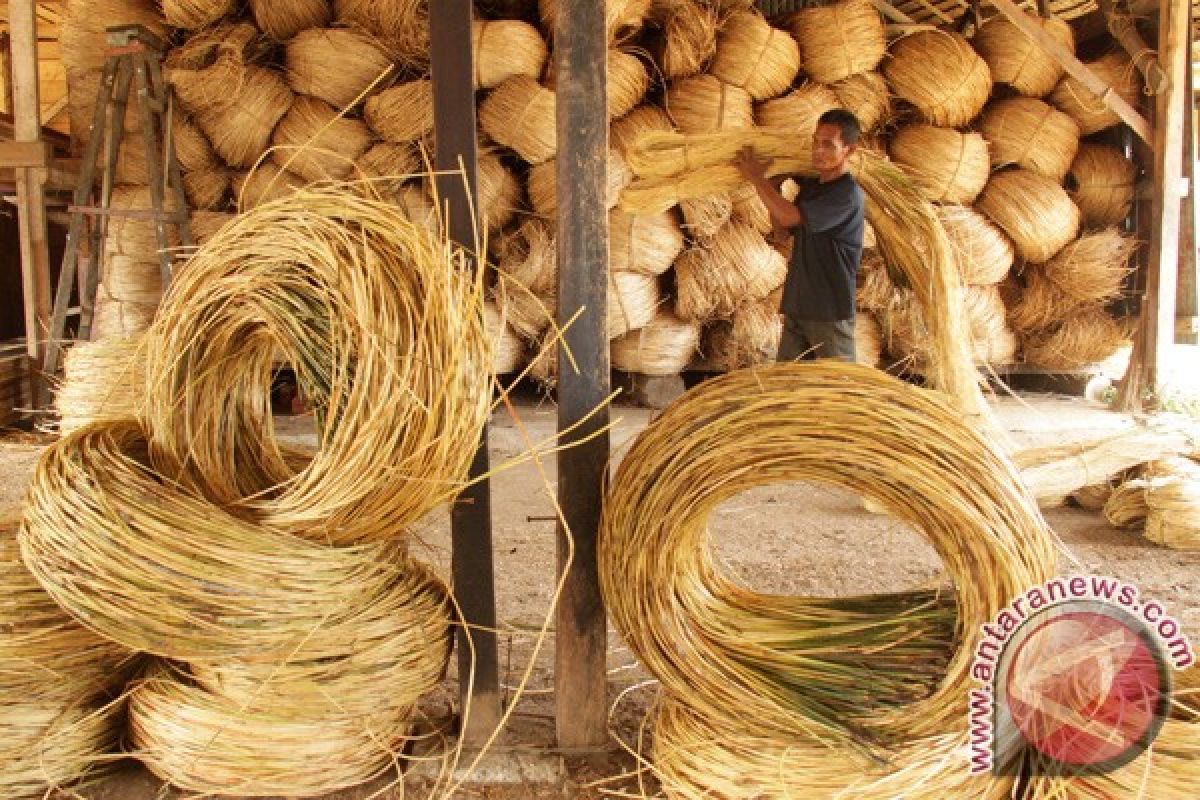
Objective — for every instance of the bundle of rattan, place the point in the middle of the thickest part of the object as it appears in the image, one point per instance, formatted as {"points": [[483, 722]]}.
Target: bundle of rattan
{"points": [[131, 280], [664, 346], [866, 95], [1031, 134], [704, 216], [1037, 303], [265, 183], [647, 243], [504, 48], [191, 14], [748, 207], [858, 46], [237, 105], [543, 366], [628, 82], [82, 88], [754, 56], [1035, 212], [875, 290], [704, 103], [1080, 339], [643, 119], [314, 142], [1173, 512], [81, 30], [1016, 59], [1126, 504], [207, 189], [193, 151], [133, 236], [712, 282], [984, 254], [506, 345], [688, 37], [633, 300], [868, 340], [520, 114], [1092, 269], [749, 338], [816, 676], [1101, 182], [527, 257], [797, 112], [527, 312], [402, 26], [622, 18], [116, 319], [1090, 111], [283, 20], [543, 184], [1093, 497], [390, 165], [904, 334], [403, 113], [59, 721], [948, 166], [205, 224], [499, 190], [940, 75], [334, 64], [102, 380], [992, 340]]}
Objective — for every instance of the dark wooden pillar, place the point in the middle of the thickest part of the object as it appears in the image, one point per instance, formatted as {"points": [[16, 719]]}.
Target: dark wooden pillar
{"points": [[1187, 299], [471, 516], [580, 50]]}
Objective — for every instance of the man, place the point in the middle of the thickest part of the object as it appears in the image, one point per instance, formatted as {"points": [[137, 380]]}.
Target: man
{"points": [[826, 223]]}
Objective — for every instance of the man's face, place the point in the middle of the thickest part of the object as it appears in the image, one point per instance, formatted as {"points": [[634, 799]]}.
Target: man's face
{"points": [[829, 151]]}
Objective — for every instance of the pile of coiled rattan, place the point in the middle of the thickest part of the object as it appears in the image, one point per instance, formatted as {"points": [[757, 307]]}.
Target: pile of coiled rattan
{"points": [[765, 696], [297, 632]]}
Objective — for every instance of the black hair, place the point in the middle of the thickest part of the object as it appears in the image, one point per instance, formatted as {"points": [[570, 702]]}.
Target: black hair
{"points": [[845, 120]]}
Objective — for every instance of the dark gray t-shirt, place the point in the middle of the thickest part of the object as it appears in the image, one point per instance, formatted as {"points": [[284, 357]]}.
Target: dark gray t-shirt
{"points": [[826, 251]]}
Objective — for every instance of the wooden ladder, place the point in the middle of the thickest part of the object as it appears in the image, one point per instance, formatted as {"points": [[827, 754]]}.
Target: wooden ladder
{"points": [[133, 59]]}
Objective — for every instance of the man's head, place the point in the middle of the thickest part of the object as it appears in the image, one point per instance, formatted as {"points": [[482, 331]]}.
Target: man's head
{"points": [[834, 140]]}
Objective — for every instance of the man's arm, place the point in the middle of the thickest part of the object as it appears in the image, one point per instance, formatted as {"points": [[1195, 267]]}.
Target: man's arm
{"points": [[784, 213]]}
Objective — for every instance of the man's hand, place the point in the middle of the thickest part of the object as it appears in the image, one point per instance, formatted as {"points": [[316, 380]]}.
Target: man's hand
{"points": [[752, 168]]}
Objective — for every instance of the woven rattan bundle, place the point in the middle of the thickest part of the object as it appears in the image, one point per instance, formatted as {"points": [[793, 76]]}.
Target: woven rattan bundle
{"points": [[814, 676], [992, 340], [236, 104], [1101, 181], [840, 39], [622, 18], [402, 113], [647, 243], [543, 184], [56, 711], [527, 257], [192, 14], [1073, 98], [866, 95], [664, 346], [1082, 338], [334, 64], [1173, 512], [102, 380], [131, 280], [1016, 59], [283, 20], [506, 345], [389, 165], [940, 75], [1035, 212], [875, 290], [633, 300], [688, 37], [1039, 303], [520, 114], [704, 216], [314, 142], [753, 55], [504, 48], [948, 166], [712, 282], [1031, 134], [984, 254], [133, 236], [265, 183], [207, 189], [749, 207], [116, 319], [797, 112], [193, 151], [499, 190], [643, 119], [402, 26], [1092, 269], [705, 103]]}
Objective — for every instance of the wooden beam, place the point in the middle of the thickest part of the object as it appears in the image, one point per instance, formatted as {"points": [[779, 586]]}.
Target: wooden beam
{"points": [[31, 201], [1074, 67], [471, 515], [6, 72], [1187, 300], [580, 48], [25, 154], [1123, 28], [892, 13], [1156, 335]]}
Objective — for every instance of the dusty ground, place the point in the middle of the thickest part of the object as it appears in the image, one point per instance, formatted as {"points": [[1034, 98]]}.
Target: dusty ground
{"points": [[802, 539]]}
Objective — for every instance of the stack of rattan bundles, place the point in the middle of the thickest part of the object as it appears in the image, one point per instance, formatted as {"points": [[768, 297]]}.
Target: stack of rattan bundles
{"points": [[14, 384]]}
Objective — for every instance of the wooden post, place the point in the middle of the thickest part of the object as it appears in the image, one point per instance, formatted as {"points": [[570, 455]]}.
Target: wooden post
{"points": [[471, 516], [1187, 303], [1156, 334], [580, 51], [1074, 67], [31, 200], [6, 72]]}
